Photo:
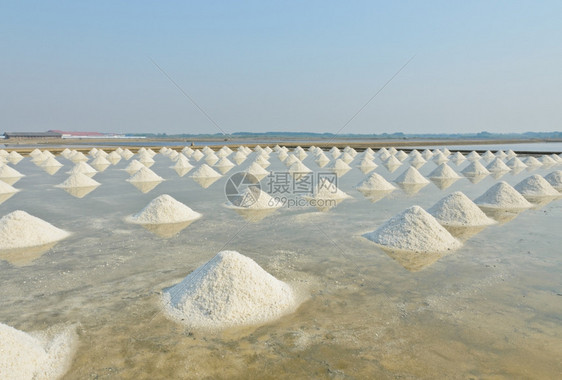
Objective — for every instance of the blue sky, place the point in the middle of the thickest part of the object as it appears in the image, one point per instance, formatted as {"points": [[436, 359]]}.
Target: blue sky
{"points": [[281, 66]]}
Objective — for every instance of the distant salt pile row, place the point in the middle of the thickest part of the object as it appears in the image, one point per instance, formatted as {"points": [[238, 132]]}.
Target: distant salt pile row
{"points": [[229, 290], [38, 356], [18, 229]]}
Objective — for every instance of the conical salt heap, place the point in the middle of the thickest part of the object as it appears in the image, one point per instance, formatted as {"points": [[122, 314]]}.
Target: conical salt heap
{"points": [[555, 179], [427, 154], [414, 230], [497, 165], [511, 154], [14, 157], [100, 163], [229, 290], [475, 169], [134, 166], [375, 182], [239, 157], [340, 167], [401, 155], [392, 163], [205, 171], [78, 180], [327, 189], [164, 209], [291, 160], [515, 163], [346, 158], [366, 165], [144, 174], [444, 171], [127, 154], [257, 171], [114, 158], [299, 170], [473, 156], [502, 196], [536, 186], [211, 159], [77, 157], [39, 356], [197, 155], [322, 160], [224, 165], [335, 152], [18, 229], [488, 156], [9, 175], [51, 162], [84, 168], [546, 160], [417, 161], [458, 158], [457, 210], [411, 177], [501, 154], [440, 158]]}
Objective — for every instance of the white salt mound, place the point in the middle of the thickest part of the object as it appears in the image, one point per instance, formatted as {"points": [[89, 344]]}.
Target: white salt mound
{"points": [[9, 172], [475, 169], [144, 174], [502, 196], [536, 186], [134, 166], [7, 189], [229, 290], [411, 176], [443, 171], [414, 230], [375, 182], [41, 356], [457, 210], [205, 171], [18, 229], [326, 189], [78, 180], [497, 165], [555, 179], [164, 210]]}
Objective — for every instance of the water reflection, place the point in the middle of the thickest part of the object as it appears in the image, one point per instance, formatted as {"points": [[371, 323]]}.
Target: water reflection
{"points": [[25, 256]]}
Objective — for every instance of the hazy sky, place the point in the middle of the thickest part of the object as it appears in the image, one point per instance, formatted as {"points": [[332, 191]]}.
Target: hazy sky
{"points": [[281, 66]]}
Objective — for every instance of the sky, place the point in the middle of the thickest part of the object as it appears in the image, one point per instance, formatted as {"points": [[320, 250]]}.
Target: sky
{"points": [[257, 66]]}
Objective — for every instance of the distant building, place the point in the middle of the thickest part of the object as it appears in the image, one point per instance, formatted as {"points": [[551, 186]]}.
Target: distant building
{"points": [[32, 135], [79, 135]]}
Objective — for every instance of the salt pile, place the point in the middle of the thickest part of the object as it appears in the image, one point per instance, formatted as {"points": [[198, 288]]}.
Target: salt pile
{"points": [[205, 171], [197, 155], [9, 175], [127, 154], [473, 156], [224, 165], [229, 290], [239, 157], [100, 163], [327, 189], [417, 161], [532, 162], [335, 152], [78, 157], [18, 229], [458, 158], [515, 163], [84, 168], [414, 230], [392, 163], [14, 157], [457, 210], [51, 162], [257, 171], [411, 176], [502, 196], [134, 166], [375, 182], [290, 160], [501, 154], [488, 156], [7, 189], [546, 160], [321, 160], [253, 198], [211, 158], [299, 170], [427, 154], [78, 180], [475, 169], [536, 186], [366, 165], [497, 165], [401, 155], [443, 171], [340, 167], [345, 157], [440, 158], [41, 356], [144, 174], [164, 210], [113, 157], [555, 179]]}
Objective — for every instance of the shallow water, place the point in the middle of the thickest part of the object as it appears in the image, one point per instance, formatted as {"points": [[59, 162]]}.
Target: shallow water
{"points": [[492, 309]]}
